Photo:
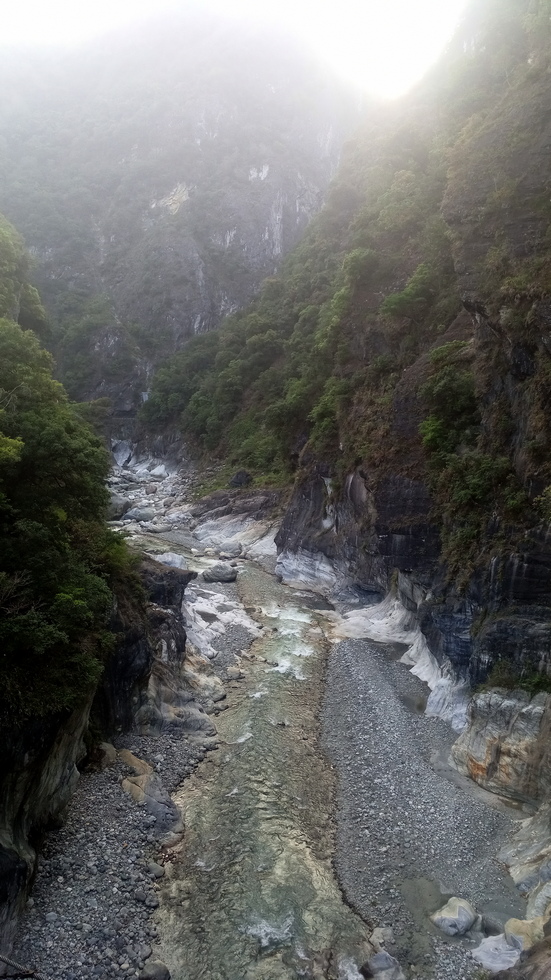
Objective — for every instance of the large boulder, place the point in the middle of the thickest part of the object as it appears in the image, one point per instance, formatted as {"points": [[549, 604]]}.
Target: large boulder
{"points": [[117, 507], [525, 933], [455, 918], [140, 514], [495, 954], [220, 573]]}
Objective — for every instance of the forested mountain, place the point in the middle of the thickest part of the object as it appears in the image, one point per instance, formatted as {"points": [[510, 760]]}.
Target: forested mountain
{"points": [[407, 336], [157, 177]]}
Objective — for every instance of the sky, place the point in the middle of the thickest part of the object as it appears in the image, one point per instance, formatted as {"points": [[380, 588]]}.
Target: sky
{"points": [[382, 46]]}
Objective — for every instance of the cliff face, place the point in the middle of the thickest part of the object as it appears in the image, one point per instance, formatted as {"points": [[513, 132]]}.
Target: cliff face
{"points": [[40, 765], [158, 179]]}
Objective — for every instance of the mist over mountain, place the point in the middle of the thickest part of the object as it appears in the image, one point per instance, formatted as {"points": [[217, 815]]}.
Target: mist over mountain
{"points": [[157, 177]]}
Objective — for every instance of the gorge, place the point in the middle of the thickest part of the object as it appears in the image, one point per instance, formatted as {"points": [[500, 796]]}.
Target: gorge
{"points": [[319, 479]]}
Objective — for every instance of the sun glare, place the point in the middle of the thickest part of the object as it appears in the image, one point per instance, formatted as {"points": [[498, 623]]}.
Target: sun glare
{"points": [[382, 47]]}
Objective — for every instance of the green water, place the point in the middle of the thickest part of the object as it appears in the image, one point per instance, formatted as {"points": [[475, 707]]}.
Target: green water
{"points": [[251, 891]]}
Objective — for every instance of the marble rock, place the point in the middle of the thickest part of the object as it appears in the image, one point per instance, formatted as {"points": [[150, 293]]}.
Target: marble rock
{"points": [[495, 954], [220, 573], [455, 918]]}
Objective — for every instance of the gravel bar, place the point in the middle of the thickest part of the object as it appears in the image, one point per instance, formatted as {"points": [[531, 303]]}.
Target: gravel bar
{"points": [[407, 835]]}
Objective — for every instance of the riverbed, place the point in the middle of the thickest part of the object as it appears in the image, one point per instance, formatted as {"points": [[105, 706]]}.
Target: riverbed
{"points": [[325, 811]]}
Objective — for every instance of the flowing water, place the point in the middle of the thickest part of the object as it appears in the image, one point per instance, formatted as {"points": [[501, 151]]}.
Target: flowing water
{"points": [[250, 892]]}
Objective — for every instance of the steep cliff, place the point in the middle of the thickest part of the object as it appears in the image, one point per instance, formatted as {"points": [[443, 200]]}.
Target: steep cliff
{"points": [[399, 365], [158, 177]]}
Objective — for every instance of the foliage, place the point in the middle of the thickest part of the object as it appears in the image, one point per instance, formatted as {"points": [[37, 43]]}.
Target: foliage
{"points": [[58, 561], [514, 677]]}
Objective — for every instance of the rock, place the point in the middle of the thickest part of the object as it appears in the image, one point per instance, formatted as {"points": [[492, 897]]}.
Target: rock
{"points": [[385, 967], [159, 471], [381, 937], [106, 755], [156, 869], [495, 954], [455, 918], [525, 933], [505, 747], [241, 479], [172, 560], [155, 970], [117, 507], [231, 550], [140, 514], [148, 789], [220, 573], [234, 673], [139, 766]]}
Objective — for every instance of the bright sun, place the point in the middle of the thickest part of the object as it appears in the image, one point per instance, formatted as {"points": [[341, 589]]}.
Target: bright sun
{"points": [[383, 47]]}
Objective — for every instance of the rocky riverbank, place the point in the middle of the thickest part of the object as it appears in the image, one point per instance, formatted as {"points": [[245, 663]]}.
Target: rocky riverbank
{"points": [[408, 837], [408, 831]]}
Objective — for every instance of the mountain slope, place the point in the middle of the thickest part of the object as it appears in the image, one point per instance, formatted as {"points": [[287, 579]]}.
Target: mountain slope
{"points": [[157, 179]]}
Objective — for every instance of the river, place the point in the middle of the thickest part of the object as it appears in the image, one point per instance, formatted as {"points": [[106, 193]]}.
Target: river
{"points": [[251, 891]]}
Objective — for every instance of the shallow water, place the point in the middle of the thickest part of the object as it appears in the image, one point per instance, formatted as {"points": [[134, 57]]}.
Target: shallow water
{"points": [[251, 891]]}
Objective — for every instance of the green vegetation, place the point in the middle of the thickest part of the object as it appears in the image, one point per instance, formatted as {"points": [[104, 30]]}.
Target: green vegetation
{"points": [[513, 677], [58, 561]]}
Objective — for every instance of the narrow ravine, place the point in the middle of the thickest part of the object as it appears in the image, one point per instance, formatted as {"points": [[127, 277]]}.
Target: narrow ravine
{"points": [[326, 810], [251, 891]]}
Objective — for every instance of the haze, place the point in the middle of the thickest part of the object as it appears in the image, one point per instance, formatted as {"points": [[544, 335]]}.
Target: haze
{"points": [[382, 47]]}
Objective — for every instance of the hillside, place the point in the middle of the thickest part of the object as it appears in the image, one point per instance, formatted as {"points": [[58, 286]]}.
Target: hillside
{"points": [[405, 332], [157, 177]]}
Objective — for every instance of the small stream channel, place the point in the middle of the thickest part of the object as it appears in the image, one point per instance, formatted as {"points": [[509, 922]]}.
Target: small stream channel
{"points": [[251, 891]]}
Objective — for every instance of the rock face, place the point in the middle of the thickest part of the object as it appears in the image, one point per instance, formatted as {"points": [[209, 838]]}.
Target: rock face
{"points": [[144, 685], [506, 746]]}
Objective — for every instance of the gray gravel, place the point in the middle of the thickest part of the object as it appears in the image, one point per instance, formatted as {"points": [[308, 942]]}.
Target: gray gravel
{"points": [[96, 883], [405, 833], [98, 875]]}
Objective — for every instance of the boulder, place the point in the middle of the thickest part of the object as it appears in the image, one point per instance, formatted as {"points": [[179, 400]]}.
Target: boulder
{"points": [[525, 933], [385, 967], [140, 514], [241, 479], [117, 507], [172, 560], [148, 789], [220, 573], [495, 954], [155, 970], [455, 918], [106, 755], [231, 550]]}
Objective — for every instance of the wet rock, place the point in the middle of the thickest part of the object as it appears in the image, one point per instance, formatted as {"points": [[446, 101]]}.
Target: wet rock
{"points": [[155, 869], [455, 918], [220, 573]]}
